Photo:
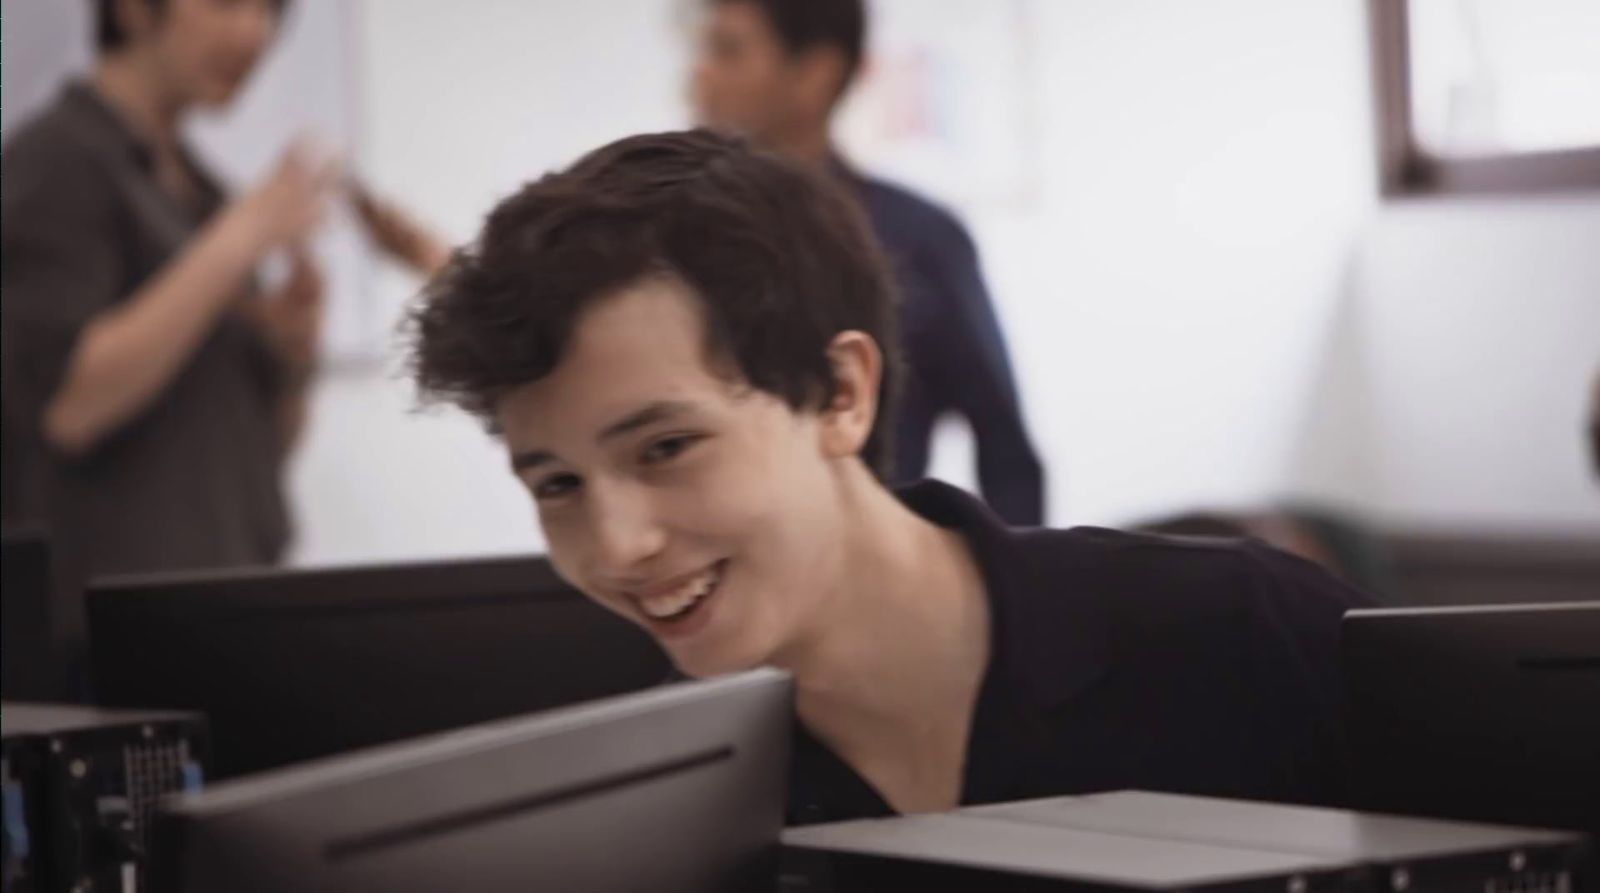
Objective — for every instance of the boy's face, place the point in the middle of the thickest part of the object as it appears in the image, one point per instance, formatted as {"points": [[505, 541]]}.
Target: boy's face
{"points": [[207, 48], [700, 509]]}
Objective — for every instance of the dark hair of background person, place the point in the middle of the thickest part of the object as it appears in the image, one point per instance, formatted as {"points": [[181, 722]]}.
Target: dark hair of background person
{"points": [[108, 31], [807, 24], [781, 260]]}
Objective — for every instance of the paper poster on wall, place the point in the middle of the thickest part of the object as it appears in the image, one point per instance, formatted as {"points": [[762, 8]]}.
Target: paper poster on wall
{"points": [[944, 101]]}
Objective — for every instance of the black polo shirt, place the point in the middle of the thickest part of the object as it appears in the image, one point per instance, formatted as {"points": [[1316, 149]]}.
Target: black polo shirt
{"points": [[193, 480], [1124, 660]]}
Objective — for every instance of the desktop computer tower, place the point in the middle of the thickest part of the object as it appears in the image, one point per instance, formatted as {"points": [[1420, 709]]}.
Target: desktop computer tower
{"points": [[81, 786]]}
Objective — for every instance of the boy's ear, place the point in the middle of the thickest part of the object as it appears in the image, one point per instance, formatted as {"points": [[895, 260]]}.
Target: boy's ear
{"points": [[857, 370]]}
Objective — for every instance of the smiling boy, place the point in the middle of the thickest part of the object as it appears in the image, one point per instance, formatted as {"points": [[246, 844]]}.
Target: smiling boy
{"points": [[681, 341]]}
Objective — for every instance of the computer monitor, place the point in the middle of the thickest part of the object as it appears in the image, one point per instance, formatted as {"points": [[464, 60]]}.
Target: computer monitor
{"points": [[1487, 713], [674, 790], [38, 642], [289, 665]]}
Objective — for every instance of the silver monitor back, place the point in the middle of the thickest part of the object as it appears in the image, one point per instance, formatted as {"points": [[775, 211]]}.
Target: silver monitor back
{"points": [[679, 788]]}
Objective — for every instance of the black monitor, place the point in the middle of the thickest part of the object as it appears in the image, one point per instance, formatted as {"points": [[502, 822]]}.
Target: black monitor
{"points": [[37, 644], [674, 790], [294, 665], [1487, 713]]}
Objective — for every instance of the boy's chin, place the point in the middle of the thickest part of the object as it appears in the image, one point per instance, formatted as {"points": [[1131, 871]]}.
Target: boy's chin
{"points": [[706, 666]]}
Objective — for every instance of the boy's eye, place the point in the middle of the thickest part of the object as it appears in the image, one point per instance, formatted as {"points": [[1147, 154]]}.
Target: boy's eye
{"points": [[668, 448], [556, 486]]}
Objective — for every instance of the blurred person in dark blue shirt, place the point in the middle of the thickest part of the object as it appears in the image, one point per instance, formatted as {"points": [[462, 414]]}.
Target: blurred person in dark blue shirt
{"points": [[775, 71]]}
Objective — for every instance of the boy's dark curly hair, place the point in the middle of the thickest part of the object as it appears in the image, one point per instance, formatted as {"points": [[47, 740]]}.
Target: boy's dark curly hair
{"points": [[779, 256]]}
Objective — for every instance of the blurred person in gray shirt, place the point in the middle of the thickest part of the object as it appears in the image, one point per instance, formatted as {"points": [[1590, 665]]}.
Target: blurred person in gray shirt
{"points": [[152, 391]]}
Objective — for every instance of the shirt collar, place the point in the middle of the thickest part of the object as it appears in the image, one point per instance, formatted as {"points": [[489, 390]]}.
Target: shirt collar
{"points": [[1048, 638], [90, 106], [113, 127]]}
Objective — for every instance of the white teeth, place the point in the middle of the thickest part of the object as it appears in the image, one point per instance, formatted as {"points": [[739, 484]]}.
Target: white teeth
{"points": [[679, 600]]}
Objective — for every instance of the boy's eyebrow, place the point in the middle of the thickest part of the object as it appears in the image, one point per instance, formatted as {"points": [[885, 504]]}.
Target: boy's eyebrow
{"points": [[530, 459], [659, 411]]}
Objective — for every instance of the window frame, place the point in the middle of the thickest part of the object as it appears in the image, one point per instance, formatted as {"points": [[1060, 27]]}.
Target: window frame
{"points": [[1406, 169]]}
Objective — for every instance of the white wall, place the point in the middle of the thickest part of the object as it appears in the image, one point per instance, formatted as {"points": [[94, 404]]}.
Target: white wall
{"points": [[1206, 172], [45, 42], [1205, 302], [1455, 382]]}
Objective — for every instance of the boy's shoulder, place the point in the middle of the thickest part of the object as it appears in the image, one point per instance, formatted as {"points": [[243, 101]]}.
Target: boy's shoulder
{"points": [[1127, 579]]}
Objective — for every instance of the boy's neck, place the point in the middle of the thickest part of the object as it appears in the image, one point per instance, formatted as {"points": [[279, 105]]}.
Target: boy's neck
{"points": [[902, 644], [810, 143]]}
